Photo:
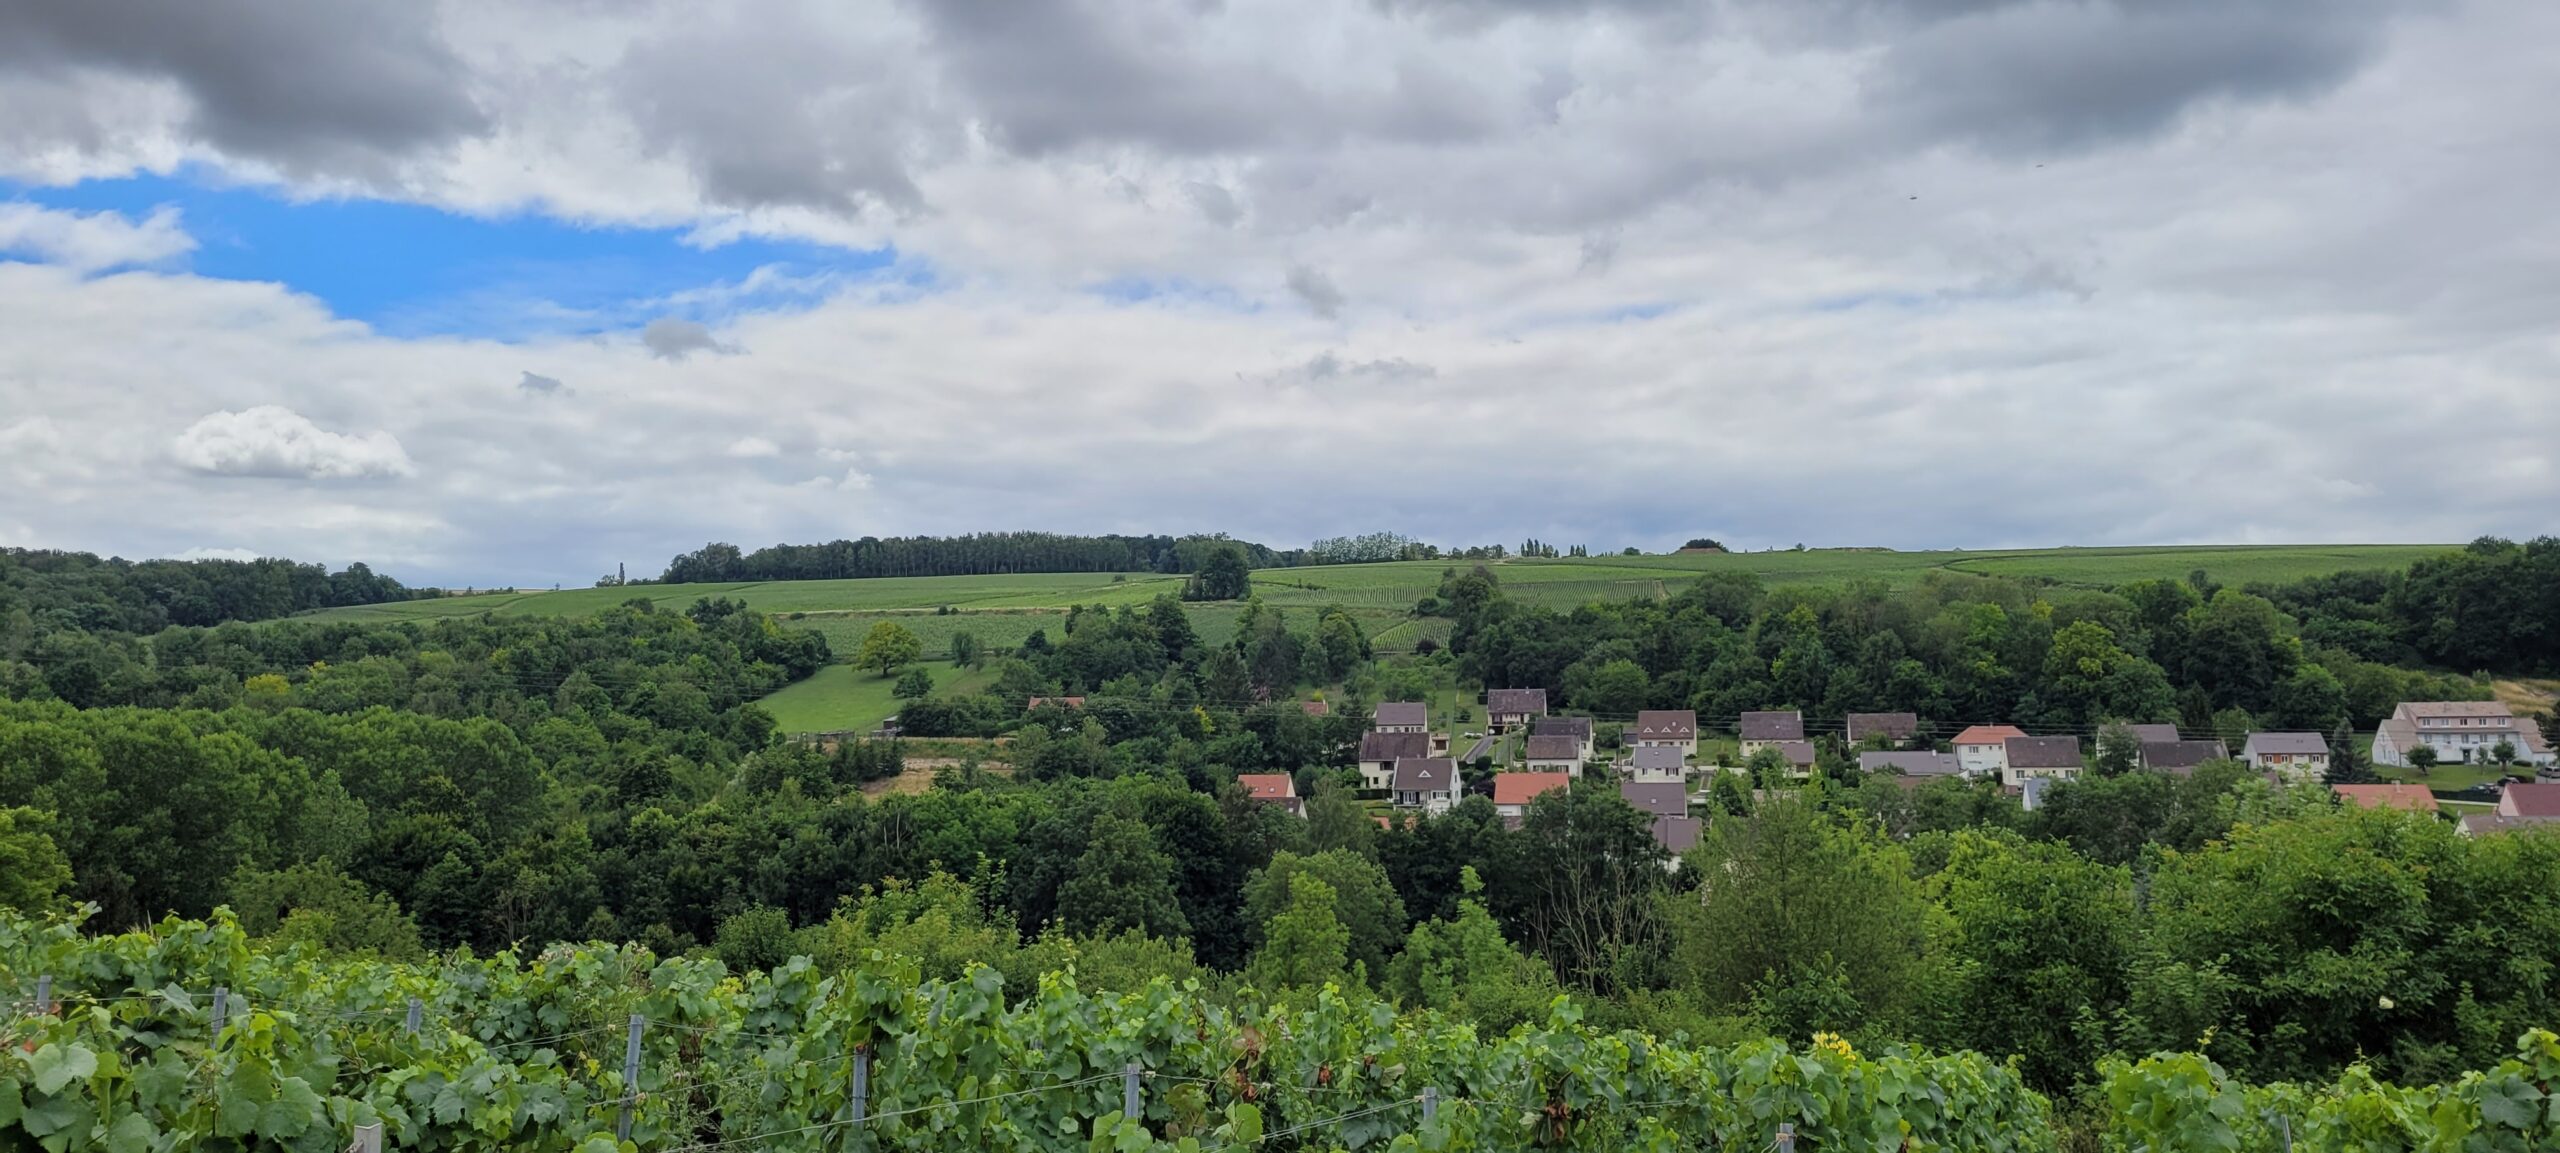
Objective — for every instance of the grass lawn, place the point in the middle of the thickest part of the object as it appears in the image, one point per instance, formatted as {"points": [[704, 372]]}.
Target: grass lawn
{"points": [[841, 697]]}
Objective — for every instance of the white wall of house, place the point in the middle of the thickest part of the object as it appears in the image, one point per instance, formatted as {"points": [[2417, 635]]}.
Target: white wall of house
{"points": [[1984, 760]]}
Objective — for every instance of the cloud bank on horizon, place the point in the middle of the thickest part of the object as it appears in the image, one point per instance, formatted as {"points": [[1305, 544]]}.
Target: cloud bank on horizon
{"points": [[479, 291]]}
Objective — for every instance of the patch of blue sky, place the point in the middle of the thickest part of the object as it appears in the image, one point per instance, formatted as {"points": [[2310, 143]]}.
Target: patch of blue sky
{"points": [[409, 270], [1851, 302], [1172, 291], [1631, 313]]}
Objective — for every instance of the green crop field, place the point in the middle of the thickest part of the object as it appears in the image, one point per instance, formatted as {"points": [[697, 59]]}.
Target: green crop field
{"points": [[840, 697], [1003, 610]]}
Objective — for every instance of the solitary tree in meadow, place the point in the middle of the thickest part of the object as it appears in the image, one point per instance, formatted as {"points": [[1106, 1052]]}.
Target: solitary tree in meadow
{"points": [[888, 646]]}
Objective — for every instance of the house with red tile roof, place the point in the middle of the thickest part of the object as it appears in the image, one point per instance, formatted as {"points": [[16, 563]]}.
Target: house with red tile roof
{"points": [[2414, 798], [1274, 788], [1512, 792], [1983, 750]]}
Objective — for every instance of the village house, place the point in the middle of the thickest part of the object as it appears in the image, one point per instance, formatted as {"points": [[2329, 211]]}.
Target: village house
{"points": [[2179, 758], [1579, 728], [1984, 749], [1910, 764], [1762, 730], [2414, 798], [1512, 792], [2029, 758], [2296, 756], [1426, 783], [1667, 729], [1508, 709], [1061, 702], [2151, 733], [1274, 788], [1799, 755], [1379, 753], [1402, 717], [2458, 731], [1657, 763], [1896, 728], [1656, 798], [1676, 835], [1315, 708], [1552, 755]]}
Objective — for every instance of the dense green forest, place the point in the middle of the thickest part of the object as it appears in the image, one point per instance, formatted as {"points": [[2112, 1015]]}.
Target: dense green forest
{"points": [[971, 555], [401, 789], [42, 591]]}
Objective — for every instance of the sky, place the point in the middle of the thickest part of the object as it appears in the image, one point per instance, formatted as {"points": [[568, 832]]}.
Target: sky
{"points": [[486, 292]]}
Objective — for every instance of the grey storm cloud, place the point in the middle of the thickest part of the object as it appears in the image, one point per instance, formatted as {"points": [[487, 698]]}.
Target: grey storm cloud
{"points": [[2055, 75], [1316, 290], [540, 385], [674, 338], [1215, 203], [309, 86]]}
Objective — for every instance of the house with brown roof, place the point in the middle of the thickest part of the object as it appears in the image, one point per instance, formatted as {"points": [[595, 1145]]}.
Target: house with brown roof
{"points": [[1402, 717], [1512, 792], [1379, 753], [1274, 788], [1061, 702], [1656, 798], [1508, 709], [1426, 783], [1910, 764], [2414, 798], [1984, 749], [1315, 708], [2530, 802], [2050, 758], [1897, 728], [1657, 763], [2294, 756], [1665, 728], [1761, 730], [2459, 731], [1552, 755], [2149, 733], [1579, 728]]}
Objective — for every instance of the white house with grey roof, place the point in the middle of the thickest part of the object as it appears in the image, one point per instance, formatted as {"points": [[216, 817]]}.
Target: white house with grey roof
{"points": [[1657, 763], [1402, 717], [2295, 756], [1579, 728], [1426, 783], [1552, 755], [2458, 731]]}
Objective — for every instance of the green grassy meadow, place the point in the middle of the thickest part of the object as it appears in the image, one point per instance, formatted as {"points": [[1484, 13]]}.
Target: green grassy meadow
{"points": [[1004, 609], [840, 697], [1393, 588]]}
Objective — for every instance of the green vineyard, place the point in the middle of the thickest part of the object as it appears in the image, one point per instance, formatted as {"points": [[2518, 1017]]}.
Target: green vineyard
{"points": [[187, 1037]]}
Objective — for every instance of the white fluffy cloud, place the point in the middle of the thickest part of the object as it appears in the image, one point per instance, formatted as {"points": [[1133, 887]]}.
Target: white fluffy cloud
{"points": [[278, 442], [91, 241], [1895, 272]]}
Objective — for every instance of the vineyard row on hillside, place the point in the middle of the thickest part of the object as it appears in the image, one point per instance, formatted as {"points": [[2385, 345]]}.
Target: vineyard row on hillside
{"points": [[121, 1052]]}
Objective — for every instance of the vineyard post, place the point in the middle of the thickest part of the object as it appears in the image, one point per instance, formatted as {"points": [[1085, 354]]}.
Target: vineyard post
{"points": [[44, 994], [630, 1078], [1430, 1104], [2285, 1125], [861, 1091], [368, 1139], [221, 1009], [1786, 1137], [417, 1016], [1129, 1091]]}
